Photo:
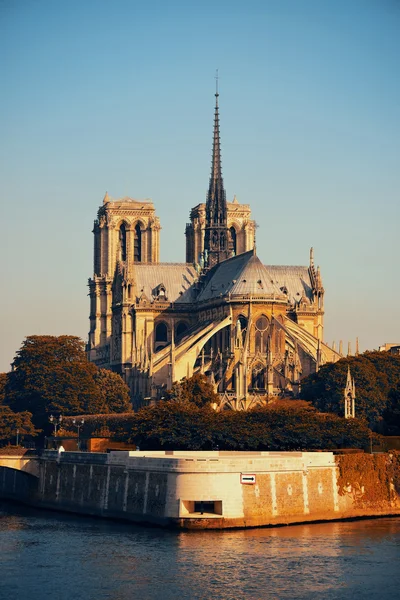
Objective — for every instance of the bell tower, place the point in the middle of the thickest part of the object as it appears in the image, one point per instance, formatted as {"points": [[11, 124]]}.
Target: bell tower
{"points": [[126, 232]]}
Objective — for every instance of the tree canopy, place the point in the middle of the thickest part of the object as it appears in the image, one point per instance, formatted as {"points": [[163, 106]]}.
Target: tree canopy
{"points": [[52, 375], [11, 421], [182, 425], [376, 375], [196, 389]]}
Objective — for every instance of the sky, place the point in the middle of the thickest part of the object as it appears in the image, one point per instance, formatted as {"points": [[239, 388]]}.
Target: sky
{"points": [[119, 96]]}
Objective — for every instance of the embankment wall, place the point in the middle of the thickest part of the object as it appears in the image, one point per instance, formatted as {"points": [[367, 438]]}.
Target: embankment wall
{"points": [[201, 490]]}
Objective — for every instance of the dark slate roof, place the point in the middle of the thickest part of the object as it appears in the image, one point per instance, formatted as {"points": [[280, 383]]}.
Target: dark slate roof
{"points": [[178, 279], [242, 275], [296, 279]]}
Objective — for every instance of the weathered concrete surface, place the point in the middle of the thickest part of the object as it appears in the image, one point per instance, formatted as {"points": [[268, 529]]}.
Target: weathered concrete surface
{"points": [[198, 490], [22, 462]]}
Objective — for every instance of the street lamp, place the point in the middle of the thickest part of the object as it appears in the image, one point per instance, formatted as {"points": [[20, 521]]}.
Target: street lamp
{"points": [[55, 422], [78, 425]]}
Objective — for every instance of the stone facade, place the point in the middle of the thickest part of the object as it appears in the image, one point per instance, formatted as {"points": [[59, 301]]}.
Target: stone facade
{"points": [[254, 329]]}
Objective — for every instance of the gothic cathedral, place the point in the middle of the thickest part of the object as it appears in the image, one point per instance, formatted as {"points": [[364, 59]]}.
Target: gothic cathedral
{"points": [[255, 330]]}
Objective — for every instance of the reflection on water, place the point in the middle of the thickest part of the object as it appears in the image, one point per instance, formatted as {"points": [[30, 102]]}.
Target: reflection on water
{"points": [[60, 556]]}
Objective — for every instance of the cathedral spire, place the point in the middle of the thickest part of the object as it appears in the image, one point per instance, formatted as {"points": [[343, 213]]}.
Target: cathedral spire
{"points": [[216, 234]]}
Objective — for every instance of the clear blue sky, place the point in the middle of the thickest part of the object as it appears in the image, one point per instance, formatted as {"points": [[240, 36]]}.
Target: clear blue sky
{"points": [[118, 96]]}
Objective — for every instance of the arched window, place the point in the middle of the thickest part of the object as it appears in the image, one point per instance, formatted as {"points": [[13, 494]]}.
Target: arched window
{"points": [[232, 233], [258, 377], [137, 246], [181, 328], [122, 242], [161, 332], [161, 336], [261, 336], [242, 327]]}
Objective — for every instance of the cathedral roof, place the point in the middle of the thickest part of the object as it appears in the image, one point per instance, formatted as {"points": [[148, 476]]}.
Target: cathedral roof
{"points": [[241, 275], [294, 279], [176, 278]]}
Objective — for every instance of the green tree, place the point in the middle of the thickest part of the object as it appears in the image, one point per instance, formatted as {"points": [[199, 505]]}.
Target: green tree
{"points": [[52, 375], [184, 426], [10, 422], [172, 425], [375, 374], [3, 382], [196, 389], [392, 413], [114, 392]]}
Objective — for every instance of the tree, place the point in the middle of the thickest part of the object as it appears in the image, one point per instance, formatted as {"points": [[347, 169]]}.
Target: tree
{"points": [[375, 375], [172, 425], [52, 375], [184, 426], [3, 382], [196, 389], [10, 422], [114, 392]]}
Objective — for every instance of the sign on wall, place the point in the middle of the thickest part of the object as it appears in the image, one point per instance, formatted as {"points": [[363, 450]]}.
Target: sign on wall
{"points": [[247, 479]]}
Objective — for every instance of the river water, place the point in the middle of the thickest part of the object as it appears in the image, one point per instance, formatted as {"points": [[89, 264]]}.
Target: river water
{"points": [[60, 556]]}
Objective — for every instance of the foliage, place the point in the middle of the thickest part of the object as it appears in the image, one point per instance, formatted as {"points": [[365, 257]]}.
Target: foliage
{"points": [[10, 422], [102, 425], [370, 479], [391, 414], [114, 392], [52, 375], [376, 375], [3, 382], [196, 389], [182, 425]]}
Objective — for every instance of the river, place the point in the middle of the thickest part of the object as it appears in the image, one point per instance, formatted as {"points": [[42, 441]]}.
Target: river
{"points": [[60, 556]]}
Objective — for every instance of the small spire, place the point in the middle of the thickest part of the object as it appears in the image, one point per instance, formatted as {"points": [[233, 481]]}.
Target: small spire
{"points": [[235, 200], [349, 396], [357, 347], [334, 346], [349, 349], [311, 256], [106, 198], [341, 347]]}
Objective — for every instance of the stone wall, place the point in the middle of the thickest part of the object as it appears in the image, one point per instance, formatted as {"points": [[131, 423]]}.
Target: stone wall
{"points": [[18, 485], [200, 489]]}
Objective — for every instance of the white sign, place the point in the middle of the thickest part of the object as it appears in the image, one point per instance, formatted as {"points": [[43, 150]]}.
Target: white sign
{"points": [[247, 479]]}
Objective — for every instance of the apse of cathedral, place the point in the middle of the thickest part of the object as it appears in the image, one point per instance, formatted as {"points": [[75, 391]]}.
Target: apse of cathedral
{"points": [[255, 330]]}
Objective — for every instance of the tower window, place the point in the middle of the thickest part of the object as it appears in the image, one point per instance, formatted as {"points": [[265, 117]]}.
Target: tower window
{"points": [[232, 233], [137, 247], [122, 242]]}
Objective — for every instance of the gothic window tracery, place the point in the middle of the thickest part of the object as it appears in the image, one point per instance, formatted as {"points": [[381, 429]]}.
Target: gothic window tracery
{"points": [[261, 337], [258, 377], [241, 329]]}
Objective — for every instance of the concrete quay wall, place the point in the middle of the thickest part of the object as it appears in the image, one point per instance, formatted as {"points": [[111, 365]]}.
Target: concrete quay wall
{"points": [[199, 490]]}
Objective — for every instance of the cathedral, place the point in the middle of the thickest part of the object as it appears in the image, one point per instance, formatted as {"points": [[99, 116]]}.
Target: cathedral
{"points": [[255, 330]]}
